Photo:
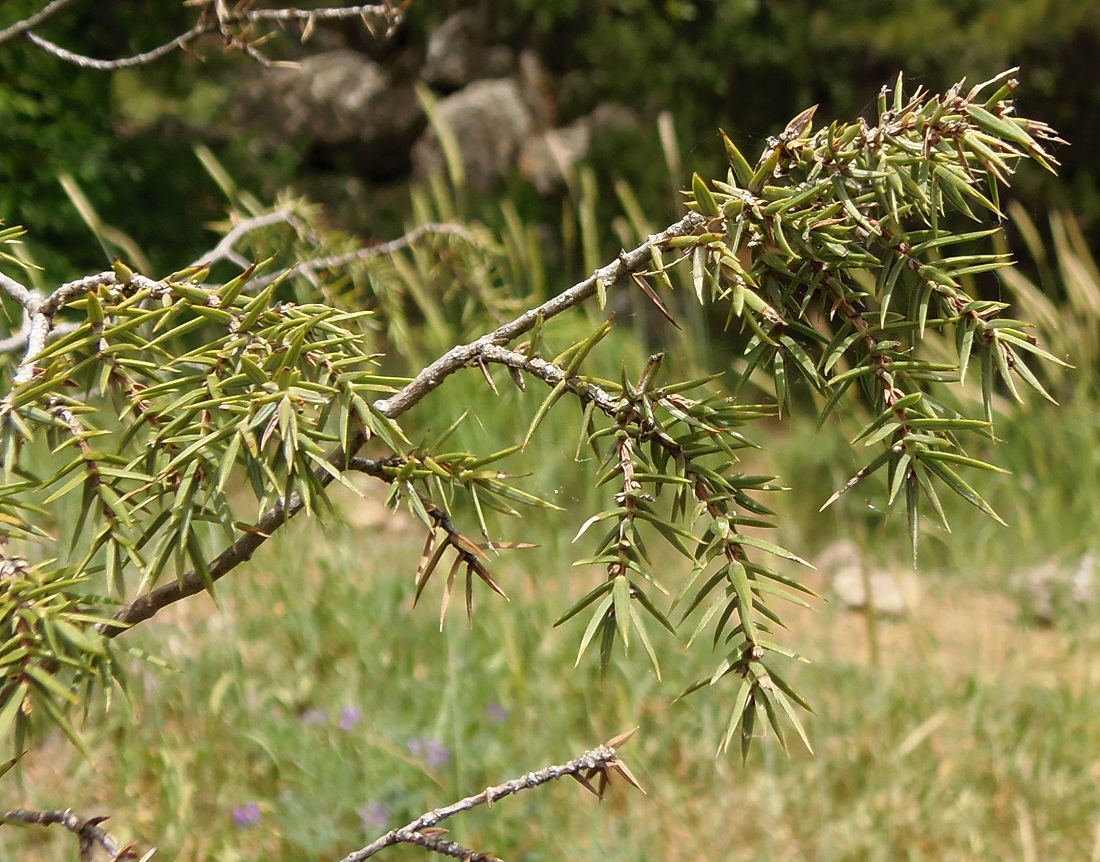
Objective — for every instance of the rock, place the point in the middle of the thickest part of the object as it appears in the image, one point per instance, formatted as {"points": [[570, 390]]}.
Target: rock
{"points": [[546, 159], [891, 593], [1053, 588], [489, 120], [449, 61], [343, 103], [839, 554], [457, 54]]}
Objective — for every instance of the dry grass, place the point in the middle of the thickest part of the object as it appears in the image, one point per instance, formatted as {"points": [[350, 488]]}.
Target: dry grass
{"points": [[974, 737]]}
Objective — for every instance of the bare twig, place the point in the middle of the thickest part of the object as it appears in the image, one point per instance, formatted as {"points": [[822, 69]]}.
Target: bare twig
{"points": [[224, 250], [27, 24], [309, 267], [448, 848], [29, 299], [601, 761], [552, 375], [142, 59], [385, 11], [86, 829], [628, 262], [231, 23]]}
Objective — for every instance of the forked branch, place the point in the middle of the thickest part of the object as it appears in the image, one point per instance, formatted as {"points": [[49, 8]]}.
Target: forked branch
{"points": [[458, 357], [593, 770], [488, 347]]}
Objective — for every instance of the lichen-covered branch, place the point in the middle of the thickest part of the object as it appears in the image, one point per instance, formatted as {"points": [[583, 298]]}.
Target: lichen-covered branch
{"points": [[225, 249], [600, 762], [611, 275], [29, 299], [41, 318], [129, 62], [336, 261]]}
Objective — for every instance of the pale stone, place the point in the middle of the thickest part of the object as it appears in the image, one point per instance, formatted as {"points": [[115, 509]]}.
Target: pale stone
{"points": [[892, 594], [489, 120]]}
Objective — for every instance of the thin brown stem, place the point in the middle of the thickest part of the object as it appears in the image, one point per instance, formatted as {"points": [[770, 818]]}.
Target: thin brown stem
{"points": [[146, 606], [86, 829]]}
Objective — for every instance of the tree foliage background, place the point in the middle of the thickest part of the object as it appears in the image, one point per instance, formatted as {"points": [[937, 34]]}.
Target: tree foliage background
{"points": [[743, 66]]}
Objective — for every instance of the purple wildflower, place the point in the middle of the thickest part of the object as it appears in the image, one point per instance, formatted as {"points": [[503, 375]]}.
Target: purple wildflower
{"points": [[246, 816], [433, 752], [374, 815], [497, 713], [350, 716]]}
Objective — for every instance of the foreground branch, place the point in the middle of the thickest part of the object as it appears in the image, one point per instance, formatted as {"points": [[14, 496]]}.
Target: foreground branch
{"points": [[488, 346], [600, 762], [29, 299], [40, 313], [593, 770], [458, 357], [87, 830], [191, 583], [552, 375]]}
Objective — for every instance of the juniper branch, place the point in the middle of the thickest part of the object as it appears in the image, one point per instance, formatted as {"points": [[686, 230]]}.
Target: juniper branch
{"points": [[191, 583], [336, 261], [29, 299], [142, 59], [611, 275], [224, 250]]}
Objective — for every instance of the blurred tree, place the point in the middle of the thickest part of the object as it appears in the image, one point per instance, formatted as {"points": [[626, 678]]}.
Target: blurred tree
{"points": [[56, 119], [742, 65], [746, 65]]}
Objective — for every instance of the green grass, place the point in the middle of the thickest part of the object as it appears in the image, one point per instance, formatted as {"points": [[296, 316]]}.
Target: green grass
{"points": [[975, 739]]}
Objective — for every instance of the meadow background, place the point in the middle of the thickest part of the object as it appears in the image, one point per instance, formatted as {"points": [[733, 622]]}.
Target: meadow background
{"points": [[313, 708]]}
